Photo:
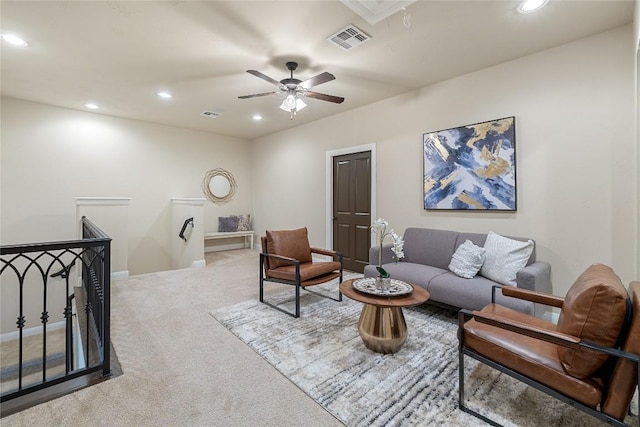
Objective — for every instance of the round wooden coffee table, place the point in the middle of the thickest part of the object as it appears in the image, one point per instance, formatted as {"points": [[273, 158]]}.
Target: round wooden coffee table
{"points": [[381, 325]]}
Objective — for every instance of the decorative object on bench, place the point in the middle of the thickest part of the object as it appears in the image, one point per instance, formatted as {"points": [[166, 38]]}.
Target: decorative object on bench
{"points": [[471, 167], [287, 258], [430, 253], [589, 359], [234, 223], [219, 185], [380, 228]]}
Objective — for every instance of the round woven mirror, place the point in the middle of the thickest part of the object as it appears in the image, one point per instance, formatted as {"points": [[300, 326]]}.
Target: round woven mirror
{"points": [[219, 185]]}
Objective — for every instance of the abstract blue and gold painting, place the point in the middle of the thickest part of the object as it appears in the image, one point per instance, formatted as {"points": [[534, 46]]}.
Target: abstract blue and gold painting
{"points": [[471, 167]]}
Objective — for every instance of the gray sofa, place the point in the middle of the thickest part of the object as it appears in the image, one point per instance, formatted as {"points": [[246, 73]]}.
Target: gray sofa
{"points": [[426, 263]]}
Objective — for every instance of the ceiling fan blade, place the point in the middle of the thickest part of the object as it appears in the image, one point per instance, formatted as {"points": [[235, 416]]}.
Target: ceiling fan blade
{"points": [[317, 80], [256, 95], [324, 97], [264, 77]]}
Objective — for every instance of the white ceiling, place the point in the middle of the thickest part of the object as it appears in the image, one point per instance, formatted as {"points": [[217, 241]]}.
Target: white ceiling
{"points": [[119, 53]]}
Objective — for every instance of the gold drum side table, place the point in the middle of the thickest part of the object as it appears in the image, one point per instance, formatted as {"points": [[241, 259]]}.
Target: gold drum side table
{"points": [[382, 326]]}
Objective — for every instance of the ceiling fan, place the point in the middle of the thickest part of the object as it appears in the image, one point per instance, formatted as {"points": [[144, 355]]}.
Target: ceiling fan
{"points": [[293, 89]]}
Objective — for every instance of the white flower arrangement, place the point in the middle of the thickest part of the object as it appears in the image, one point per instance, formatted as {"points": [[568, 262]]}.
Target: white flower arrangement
{"points": [[380, 228]]}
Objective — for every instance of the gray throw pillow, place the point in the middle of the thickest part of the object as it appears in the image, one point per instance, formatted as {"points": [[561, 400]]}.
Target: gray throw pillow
{"points": [[227, 223]]}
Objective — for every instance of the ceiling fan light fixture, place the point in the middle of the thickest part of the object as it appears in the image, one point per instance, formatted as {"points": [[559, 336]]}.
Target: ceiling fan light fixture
{"points": [[292, 103], [293, 89], [289, 103]]}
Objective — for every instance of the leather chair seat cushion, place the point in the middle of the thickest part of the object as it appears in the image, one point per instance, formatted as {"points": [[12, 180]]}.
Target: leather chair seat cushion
{"points": [[288, 243], [308, 271], [534, 358], [594, 310]]}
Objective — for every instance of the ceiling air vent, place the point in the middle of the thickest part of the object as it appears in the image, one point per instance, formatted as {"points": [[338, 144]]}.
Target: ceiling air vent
{"points": [[349, 37], [211, 114]]}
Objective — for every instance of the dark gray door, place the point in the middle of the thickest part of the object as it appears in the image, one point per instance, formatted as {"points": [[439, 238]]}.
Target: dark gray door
{"points": [[352, 208]]}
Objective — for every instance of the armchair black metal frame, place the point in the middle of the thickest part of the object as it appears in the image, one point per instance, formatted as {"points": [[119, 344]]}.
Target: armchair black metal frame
{"points": [[558, 339], [297, 282]]}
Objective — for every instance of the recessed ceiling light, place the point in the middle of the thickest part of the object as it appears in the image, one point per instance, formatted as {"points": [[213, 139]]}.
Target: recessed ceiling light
{"points": [[256, 117], [14, 40], [530, 5], [165, 95], [91, 106]]}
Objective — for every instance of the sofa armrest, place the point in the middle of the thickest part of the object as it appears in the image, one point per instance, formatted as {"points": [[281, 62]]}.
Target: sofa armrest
{"points": [[535, 277], [387, 254]]}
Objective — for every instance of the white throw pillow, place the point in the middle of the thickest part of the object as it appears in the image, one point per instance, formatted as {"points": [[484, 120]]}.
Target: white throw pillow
{"points": [[504, 258], [467, 260]]}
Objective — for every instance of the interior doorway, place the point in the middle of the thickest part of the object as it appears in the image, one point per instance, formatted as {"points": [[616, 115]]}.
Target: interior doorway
{"points": [[351, 208]]}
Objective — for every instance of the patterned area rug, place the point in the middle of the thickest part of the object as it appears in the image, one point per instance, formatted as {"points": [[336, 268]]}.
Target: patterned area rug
{"points": [[322, 353]]}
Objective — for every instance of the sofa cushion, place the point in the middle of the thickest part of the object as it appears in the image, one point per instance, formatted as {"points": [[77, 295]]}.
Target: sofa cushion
{"points": [[289, 243], [416, 274], [504, 257], [467, 260], [429, 246], [594, 310], [473, 294], [477, 239]]}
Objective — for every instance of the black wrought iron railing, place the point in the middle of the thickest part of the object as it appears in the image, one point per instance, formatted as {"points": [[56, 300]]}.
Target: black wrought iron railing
{"points": [[53, 342]]}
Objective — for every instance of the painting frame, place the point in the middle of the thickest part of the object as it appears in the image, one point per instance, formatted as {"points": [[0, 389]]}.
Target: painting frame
{"points": [[471, 167]]}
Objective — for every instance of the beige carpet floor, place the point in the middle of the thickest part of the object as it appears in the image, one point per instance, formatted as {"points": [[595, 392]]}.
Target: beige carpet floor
{"points": [[180, 366]]}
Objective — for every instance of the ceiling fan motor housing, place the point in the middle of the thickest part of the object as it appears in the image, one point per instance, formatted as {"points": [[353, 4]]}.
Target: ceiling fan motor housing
{"points": [[291, 83]]}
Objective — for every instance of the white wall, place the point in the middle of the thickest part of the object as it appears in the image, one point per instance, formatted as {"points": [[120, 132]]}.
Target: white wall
{"points": [[577, 161], [51, 155]]}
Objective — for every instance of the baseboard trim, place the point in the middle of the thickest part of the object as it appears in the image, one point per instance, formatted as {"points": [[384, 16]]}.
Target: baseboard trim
{"points": [[119, 275], [199, 263], [227, 247]]}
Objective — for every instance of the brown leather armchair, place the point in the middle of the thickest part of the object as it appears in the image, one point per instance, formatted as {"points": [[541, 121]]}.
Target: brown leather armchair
{"points": [[287, 258], [589, 359]]}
